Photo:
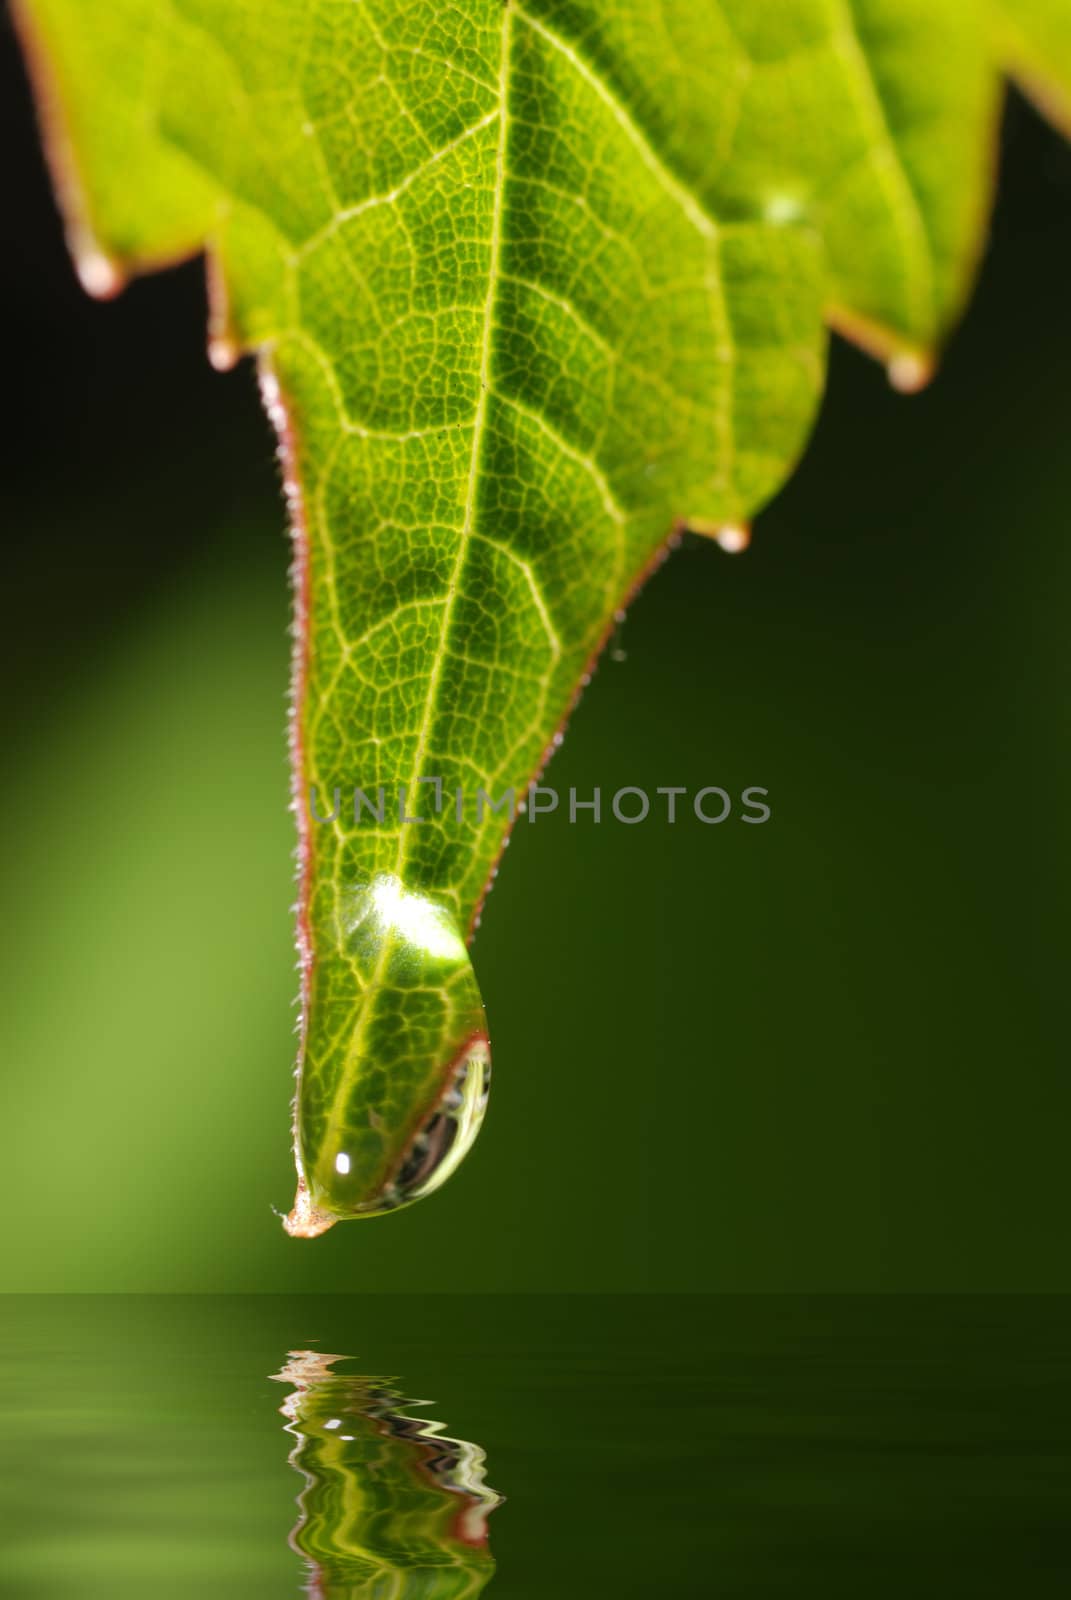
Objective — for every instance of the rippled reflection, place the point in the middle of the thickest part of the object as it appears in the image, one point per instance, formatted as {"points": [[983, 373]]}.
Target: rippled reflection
{"points": [[391, 1509]]}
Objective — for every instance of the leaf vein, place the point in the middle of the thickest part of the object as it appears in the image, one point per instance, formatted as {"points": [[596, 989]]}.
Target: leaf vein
{"points": [[610, 505], [697, 215]]}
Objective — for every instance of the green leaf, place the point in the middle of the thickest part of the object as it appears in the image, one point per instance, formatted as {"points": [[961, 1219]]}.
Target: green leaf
{"points": [[533, 286], [1034, 38]]}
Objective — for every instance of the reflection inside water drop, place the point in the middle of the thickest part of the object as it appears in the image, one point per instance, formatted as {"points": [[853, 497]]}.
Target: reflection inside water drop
{"points": [[391, 1506], [394, 1077]]}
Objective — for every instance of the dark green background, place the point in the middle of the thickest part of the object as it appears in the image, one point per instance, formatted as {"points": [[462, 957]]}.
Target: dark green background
{"points": [[827, 1053]]}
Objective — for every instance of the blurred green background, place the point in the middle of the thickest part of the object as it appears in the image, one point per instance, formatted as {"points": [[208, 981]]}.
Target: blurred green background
{"points": [[824, 1054]]}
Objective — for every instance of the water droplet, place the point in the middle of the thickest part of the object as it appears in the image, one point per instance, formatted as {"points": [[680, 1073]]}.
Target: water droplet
{"points": [[391, 1095], [223, 353], [781, 209], [734, 538], [98, 276], [909, 371]]}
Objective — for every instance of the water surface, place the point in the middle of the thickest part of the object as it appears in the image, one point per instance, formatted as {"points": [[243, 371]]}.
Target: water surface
{"points": [[643, 1446]]}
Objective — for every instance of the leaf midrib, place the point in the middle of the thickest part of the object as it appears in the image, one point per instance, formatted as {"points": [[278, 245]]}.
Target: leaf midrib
{"points": [[353, 1054]]}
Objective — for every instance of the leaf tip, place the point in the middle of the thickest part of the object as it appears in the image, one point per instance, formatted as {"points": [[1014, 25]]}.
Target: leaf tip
{"points": [[910, 371], [733, 537], [306, 1220], [909, 367], [97, 273], [223, 353]]}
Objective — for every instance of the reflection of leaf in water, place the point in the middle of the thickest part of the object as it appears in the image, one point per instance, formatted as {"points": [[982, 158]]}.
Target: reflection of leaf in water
{"points": [[392, 1509]]}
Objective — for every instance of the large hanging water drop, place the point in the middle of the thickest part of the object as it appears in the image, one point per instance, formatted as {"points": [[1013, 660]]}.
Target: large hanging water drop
{"points": [[393, 1095]]}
